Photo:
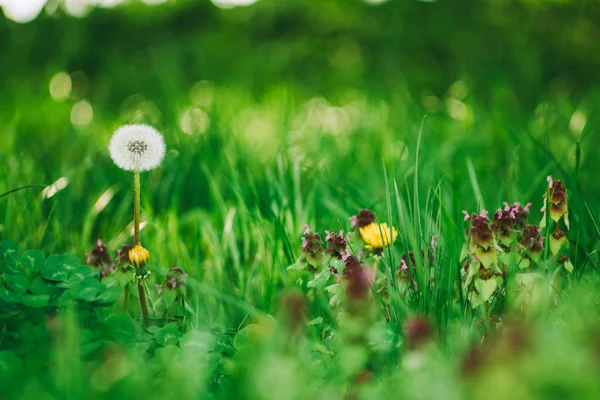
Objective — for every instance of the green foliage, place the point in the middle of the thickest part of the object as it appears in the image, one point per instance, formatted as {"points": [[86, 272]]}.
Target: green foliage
{"points": [[284, 114]]}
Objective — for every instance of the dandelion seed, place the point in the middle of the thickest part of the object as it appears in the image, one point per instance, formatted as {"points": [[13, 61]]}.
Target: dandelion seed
{"points": [[137, 148]]}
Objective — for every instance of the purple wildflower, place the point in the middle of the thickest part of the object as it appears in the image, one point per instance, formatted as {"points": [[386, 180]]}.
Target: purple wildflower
{"points": [[362, 219]]}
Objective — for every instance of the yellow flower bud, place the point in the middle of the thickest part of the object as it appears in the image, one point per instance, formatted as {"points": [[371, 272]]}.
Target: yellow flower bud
{"points": [[139, 256], [377, 236]]}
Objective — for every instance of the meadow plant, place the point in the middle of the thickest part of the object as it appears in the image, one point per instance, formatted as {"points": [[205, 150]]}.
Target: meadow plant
{"points": [[137, 148]]}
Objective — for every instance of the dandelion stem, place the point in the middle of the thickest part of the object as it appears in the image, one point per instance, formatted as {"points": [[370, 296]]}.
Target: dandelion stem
{"points": [[143, 302], [136, 208]]}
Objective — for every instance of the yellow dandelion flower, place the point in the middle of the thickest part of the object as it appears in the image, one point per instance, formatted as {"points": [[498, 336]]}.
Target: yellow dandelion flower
{"points": [[139, 256], [377, 236]]}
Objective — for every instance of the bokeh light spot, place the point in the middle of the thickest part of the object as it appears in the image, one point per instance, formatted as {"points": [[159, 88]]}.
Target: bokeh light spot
{"points": [[82, 113], [577, 122], [194, 121], [202, 93], [60, 86], [22, 11], [233, 3]]}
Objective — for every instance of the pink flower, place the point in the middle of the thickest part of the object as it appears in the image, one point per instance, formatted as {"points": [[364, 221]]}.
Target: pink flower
{"points": [[467, 216], [403, 266], [352, 220]]}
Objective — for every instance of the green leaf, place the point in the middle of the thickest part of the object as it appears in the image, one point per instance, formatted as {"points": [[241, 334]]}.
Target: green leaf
{"points": [[17, 283], [10, 364], [9, 267], [120, 327], [9, 251], [109, 295], [60, 267], [36, 300], [55, 273], [486, 288], [66, 299], [33, 260], [246, 336], [77, 276], [321, 279], [197, 341], [41, 286], [353, 359], [88, 348], [8, 296], [85, 290], [169, 334]]}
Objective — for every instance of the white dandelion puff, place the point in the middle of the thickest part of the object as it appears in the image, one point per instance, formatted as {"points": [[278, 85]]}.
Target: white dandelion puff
{"points": [[137, 148]]}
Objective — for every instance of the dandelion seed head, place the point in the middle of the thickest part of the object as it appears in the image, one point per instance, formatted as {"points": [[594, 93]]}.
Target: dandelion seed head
{"points": [[137, 148]]}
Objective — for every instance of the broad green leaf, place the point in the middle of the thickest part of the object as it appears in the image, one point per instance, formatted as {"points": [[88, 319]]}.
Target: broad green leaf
{"points": [[60, 267], [353, 359], [10, 364], [321, 279], [246, 336], [36, 300], [17, 283], [55, 272], [85, 290], [9, 251], [8, 296], [33, 260], [120, 327], [66, 300], [41, 286], [198, 341], [486, 288], [109, 295], [88, 348], [77, 276], [169, 334]]}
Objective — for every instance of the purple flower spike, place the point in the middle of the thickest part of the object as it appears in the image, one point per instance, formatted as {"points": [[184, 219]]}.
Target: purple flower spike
{"points": [[403, 266], [483, 213], [526, 208], [352, 220], [467, 216], [159, 289], [306, 229], [346, 255]]}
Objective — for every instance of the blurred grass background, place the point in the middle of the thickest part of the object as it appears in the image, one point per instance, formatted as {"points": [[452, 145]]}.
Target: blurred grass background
{"points": [[283, 113]]}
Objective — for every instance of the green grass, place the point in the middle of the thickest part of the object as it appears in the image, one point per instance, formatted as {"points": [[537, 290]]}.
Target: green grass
{"points": [[229, 205]]}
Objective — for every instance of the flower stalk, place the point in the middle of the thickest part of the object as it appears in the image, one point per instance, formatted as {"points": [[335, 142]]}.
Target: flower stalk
{"points": [[136, 208], [137, 148]]}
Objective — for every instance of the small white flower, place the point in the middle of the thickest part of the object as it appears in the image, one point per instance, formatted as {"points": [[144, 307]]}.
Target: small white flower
{"points": [[137, 148]]}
